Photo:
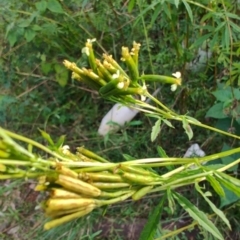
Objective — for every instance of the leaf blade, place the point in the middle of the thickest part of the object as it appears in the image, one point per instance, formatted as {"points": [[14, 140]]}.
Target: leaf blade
{"points": [[149, 229], [198, 215]]}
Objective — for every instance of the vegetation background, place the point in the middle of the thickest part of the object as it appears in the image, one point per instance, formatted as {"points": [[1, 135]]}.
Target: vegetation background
{"points": [[198, 38]]}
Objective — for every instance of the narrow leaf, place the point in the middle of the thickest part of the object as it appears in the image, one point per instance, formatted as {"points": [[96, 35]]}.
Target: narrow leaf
{"points": [[215, 185], [150, 228], [189, 10], [156, 130], [131, 5], [168, 123], [47, 137], [213, 207], [60, 141], [176, 2], [187, 128], [198, 215], [228, 184], [161, 152]]}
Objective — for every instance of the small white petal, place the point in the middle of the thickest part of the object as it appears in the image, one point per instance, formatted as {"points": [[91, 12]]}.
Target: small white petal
{"points": [[177, 75], [85, 50], [173, 87], [120, 85], [143, 98], [66, 147], [116, 75], [91, 40]]}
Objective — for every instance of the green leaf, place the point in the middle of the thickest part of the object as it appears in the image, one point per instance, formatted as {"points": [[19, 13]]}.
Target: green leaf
{"points": [[131, 5], [200, 40], [176, 2], [41, 6], [60, 141], [46, 67], [171, 202], [229, 178], [24, 23], [12, 38], [128, 157], [165, 8], [9, 28], [150, 228], [47, 137], [135, 123], [216, 111], [235, 26], [228, 184], [61, 75], [189, 10], [156, 130], [29, 35], [156, 13], [213, 207], [226, 36], [54, 6], [229, 159], [230, 197], [187, 128], [216, 185], [223, 95], [198, 215], [192, 119], [168, 123], [236, 93], [161, 152]]}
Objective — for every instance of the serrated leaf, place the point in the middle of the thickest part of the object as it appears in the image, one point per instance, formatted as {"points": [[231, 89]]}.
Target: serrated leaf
{"points": [[156, 129], [47, 137], [187, 128], [150, 228], [198, 215], [213, 207], [54, 6]]}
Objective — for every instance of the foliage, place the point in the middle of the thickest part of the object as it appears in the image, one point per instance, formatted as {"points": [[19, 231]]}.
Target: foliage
{"points": [[36, 36]]}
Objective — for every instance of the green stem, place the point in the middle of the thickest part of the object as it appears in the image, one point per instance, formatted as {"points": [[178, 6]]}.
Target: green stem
{"points": [[117, 199], [21, 175], [36, 144]]}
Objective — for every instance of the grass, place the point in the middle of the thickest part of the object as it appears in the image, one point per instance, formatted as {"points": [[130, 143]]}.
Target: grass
{"points": [[31, 98]]}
